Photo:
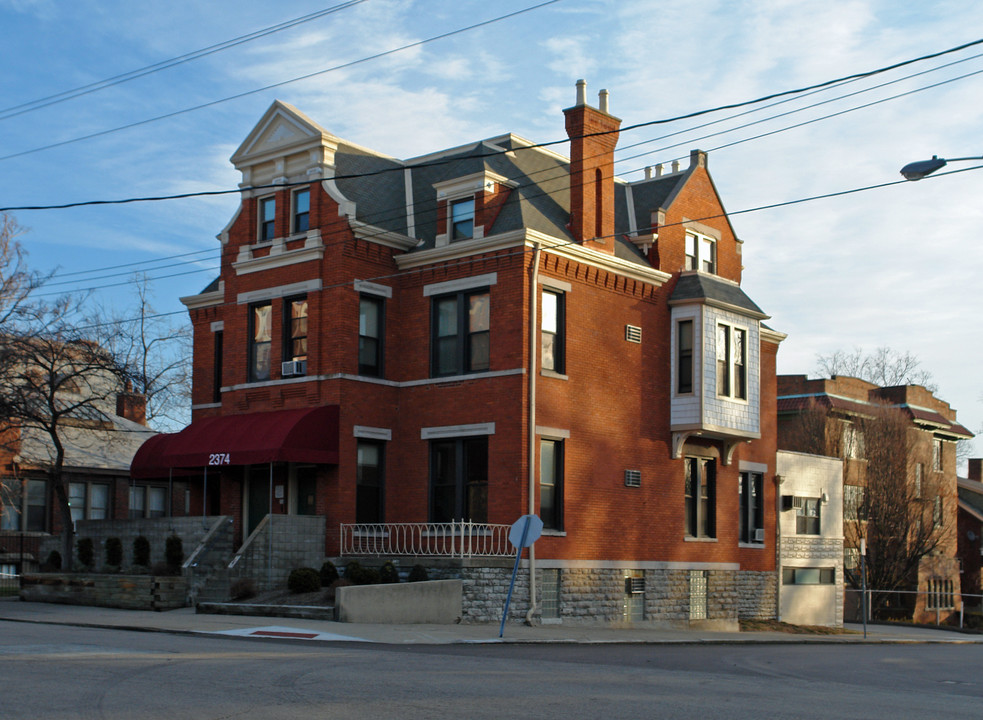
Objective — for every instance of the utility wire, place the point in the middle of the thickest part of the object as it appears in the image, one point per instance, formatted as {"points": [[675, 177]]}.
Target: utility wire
{"points": [[746, 103], [32, 105], [471, 259], [380, 216], [308, 76]]}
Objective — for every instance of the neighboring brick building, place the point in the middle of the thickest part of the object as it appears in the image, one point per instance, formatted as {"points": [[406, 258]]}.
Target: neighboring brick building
{"points": [[901, 433], [99, 446], [483, 332], [970, 545]]}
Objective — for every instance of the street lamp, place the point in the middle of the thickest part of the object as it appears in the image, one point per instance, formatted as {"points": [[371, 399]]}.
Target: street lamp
{"points": [[921, 168]]}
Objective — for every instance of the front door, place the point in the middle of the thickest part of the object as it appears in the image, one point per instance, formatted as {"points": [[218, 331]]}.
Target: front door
{"points": [[257, 496]]}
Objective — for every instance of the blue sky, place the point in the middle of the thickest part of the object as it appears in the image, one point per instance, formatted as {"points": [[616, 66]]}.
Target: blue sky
{"points": [[897, 266]]}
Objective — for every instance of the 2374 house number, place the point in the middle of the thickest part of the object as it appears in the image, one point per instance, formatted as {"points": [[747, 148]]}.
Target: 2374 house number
{"points": [[219, 459]]}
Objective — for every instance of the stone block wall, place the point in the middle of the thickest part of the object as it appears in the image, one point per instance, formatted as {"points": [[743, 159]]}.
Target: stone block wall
{"points": [[130, 592], [297, 541]]}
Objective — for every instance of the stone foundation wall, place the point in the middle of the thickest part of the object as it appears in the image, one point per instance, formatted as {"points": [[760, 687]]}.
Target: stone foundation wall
{"points": [[130, 592], [598, 595]]}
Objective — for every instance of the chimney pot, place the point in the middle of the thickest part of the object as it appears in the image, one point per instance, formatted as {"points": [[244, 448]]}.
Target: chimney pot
{"points": [[581, 92], [658, 170], [602, 98], [648, 172], [675, 166]]}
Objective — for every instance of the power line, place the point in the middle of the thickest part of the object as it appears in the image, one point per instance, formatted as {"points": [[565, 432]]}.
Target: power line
{"points": [[471, 259], [207, 193], [308, 76], [32, 105]]}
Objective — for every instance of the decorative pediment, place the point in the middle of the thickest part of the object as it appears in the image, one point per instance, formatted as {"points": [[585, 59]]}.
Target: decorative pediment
{"points": [[283, 142]]}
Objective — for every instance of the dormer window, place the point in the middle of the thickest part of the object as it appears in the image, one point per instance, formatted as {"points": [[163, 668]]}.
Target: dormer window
{"points": [[267, 219], [701, 253], [301, 220], [462, 219]]}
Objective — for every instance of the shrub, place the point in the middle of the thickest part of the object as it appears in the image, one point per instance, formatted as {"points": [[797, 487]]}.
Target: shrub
{"points": [[174, 553], [304, 580], [242, 589], [114, 552], [418, 574], [86, 552], [369, 576], [53, 562], [388, 573], [353, 571], [141, 551], [329, 573]]}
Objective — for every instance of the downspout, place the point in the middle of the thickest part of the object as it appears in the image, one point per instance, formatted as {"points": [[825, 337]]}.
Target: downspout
{"points": [[779, 479], [531, 510]]}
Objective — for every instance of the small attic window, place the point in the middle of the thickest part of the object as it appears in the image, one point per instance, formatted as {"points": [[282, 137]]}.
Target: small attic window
{"points": [[462, 219]]}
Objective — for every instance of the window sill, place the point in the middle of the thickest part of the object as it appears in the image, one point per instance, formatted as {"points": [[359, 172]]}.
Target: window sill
{"points": [[554, 533], [690, 538], [752, 546], [553, 374]]}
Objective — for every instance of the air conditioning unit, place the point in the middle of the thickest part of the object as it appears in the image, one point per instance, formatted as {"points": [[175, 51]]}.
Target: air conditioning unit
{"points": [[759, 535], [293, 367]]}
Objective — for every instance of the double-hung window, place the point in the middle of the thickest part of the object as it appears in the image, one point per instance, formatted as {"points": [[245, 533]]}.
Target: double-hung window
{"points": [[700, 497], [701, 253], [937, 454], [752, 522], [807, 516], [371, 315], [553, 331], [267, 218], [460, 333], [295, 329], [551, 484], [301, 220], [28, 510], [88, 501], [369, 482], [731, 362], [684, 357], [260, 336], [462, 219], [459, 479]]}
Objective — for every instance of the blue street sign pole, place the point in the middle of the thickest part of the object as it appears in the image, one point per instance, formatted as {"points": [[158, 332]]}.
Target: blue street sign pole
{"points": [[515, 570]]}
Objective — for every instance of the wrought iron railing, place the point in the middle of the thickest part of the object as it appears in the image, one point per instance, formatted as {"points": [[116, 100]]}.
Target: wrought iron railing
{"points": [[454, 539]]}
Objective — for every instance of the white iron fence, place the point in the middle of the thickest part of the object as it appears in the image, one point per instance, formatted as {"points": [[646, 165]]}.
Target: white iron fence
{"points": [[453, 539]]}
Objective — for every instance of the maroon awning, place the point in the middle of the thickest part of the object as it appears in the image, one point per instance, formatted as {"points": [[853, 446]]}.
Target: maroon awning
{"points": [[308, 435]]}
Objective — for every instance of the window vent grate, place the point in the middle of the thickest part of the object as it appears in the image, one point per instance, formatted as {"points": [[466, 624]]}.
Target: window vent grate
{"points": [[633, 478], [633, 333]]}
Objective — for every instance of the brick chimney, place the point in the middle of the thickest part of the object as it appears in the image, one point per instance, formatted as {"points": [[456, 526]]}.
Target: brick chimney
{"points": [[592, 170], [131, 405]]}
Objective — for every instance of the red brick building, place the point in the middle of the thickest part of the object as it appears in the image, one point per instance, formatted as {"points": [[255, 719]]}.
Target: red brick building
{"points": [[898, 446], [483, 332]]}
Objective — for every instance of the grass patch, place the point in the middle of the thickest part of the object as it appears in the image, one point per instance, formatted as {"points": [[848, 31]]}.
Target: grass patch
{"points": [[776, 626]]}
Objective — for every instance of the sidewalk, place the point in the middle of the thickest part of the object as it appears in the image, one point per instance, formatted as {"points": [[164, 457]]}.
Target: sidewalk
{"points": [[185, 620]]}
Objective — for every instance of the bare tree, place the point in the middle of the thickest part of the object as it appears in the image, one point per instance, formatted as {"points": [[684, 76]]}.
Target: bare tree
{"points": [[883, 366], [56, 377], [899, 511], [155, 354]]}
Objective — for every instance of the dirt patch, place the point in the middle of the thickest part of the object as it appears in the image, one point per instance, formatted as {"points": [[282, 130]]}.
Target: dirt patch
{"points": [[776, 626]]}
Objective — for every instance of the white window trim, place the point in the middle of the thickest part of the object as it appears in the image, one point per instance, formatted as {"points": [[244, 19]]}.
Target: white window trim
{"points": [[454, 431], [555, 285], [218, 326], [280, 291], [372, 433], [701, 238], [468, 283], [371, 288], [696, 358], [731, 365], [551, 433]]}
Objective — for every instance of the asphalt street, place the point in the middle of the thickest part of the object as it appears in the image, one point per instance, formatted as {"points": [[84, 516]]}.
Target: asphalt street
{"points": [[55, 671]]}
